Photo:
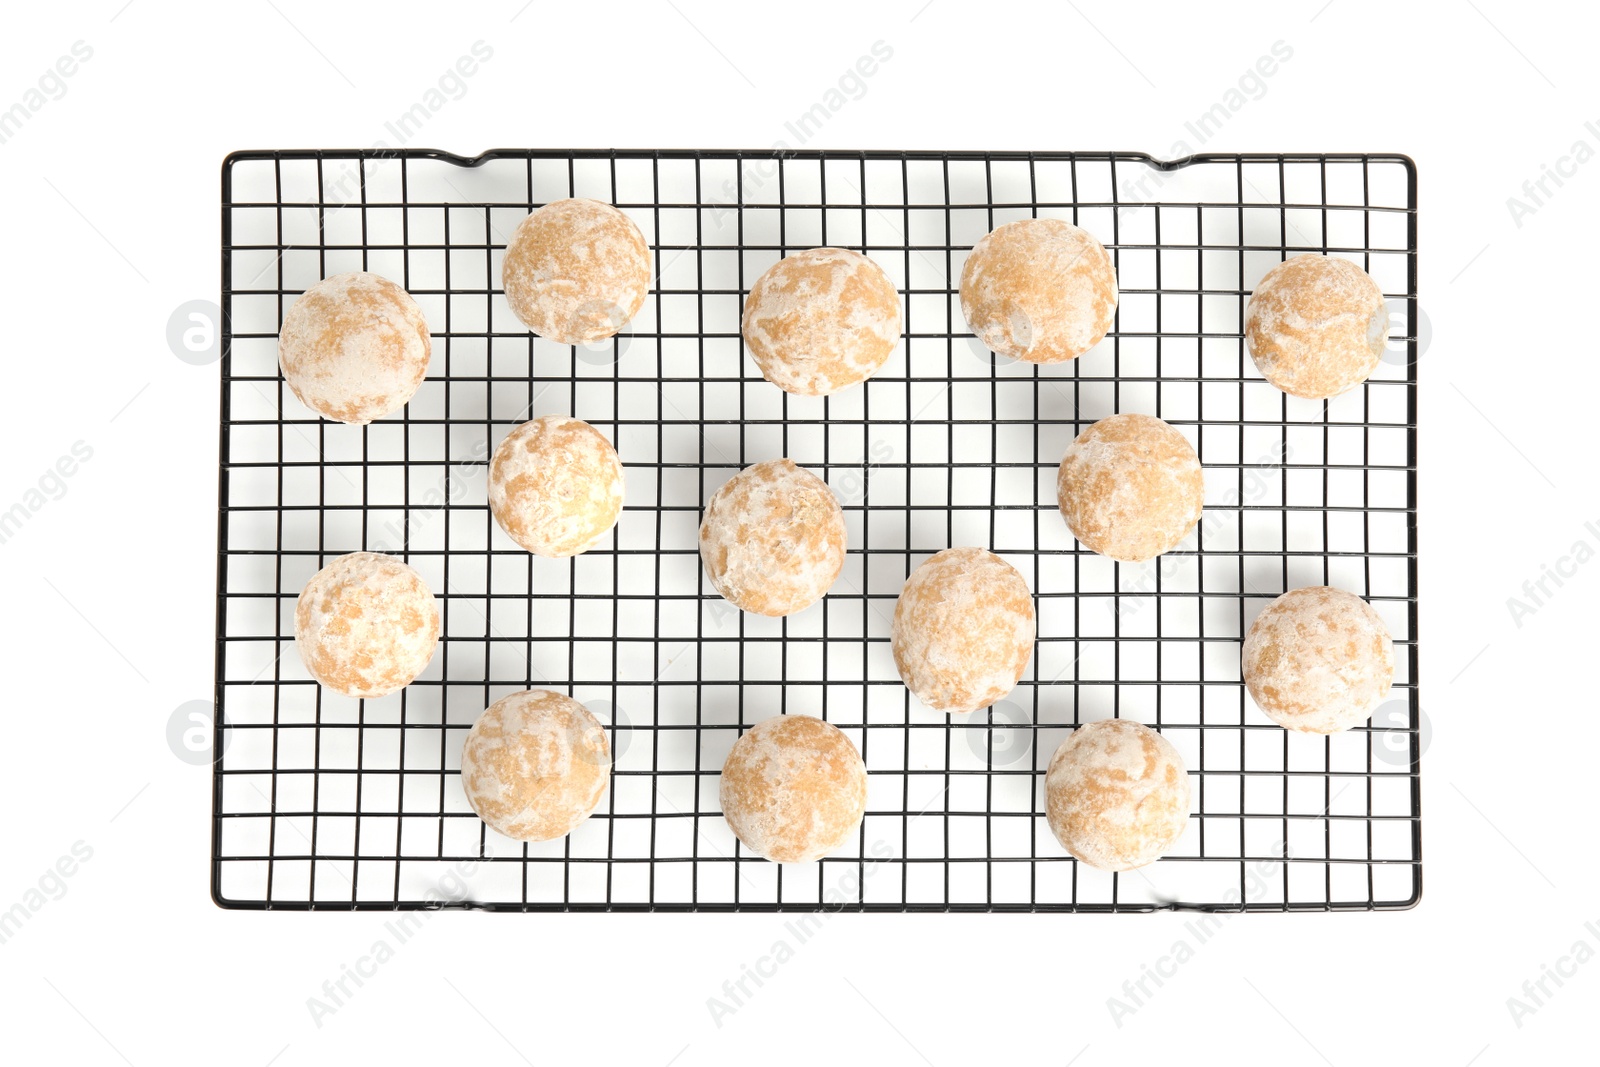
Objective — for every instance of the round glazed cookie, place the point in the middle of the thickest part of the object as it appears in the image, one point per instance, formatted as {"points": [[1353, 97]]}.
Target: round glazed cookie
{"points": [[555, 486], [535, 765], [366, 625], [819, 320], [1130, 487], [773, 538], [1316, 326], [1117, 794], [1318, 660], [576, 271], [1040, 290], [793, 788], [963, 629], [354, 347]]}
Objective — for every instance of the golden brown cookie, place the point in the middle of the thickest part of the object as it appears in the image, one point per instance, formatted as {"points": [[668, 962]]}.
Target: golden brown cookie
{"points": [[1316, 326], [1318, 660], [576, 271], [793, 788], [1130, 487], [535, 765], [1040, 290], [354, 347], [1117, 794], [963, 629], [555, 486], [773, 538], [820, 320], [366, 625]]}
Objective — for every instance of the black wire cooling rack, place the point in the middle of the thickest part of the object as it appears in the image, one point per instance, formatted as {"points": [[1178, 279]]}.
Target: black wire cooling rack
{"points": [[326, 803]]}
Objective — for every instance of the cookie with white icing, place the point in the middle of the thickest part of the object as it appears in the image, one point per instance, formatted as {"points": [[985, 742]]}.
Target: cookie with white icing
{"points": [[1318, 660], [535, 765], [820, 320], [366, 625], [555, 486], [1039, 290], [1130, 487], [793, 788], [354, 347], [773, 538], [1316, 326], [576, 271], [963, 629], [1117, 794]]}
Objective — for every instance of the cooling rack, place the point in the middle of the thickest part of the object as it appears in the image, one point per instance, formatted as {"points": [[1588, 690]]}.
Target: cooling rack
{"points": [[326, 803]]}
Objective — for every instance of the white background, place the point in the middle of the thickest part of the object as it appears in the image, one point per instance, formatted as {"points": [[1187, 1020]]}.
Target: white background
{"points": [[111, 222]]}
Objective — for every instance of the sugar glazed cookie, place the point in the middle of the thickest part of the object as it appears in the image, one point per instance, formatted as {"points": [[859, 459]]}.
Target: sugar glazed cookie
{"points": [[535, 765], [820, 320], [576, 271], [555, 486], [354, 347], [793, 788], [1040, 290], [963, 629], [1117, 794], [773, 538], [1316, 326], [1318, 660], [366, 625], [1130, 487]]}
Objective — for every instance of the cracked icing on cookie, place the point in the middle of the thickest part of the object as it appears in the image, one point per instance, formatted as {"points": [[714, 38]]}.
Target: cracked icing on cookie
{"points": [[555, 486], [793, 788], [1318, 660], [576, 271], [1316, 326], [366, 625], [354, 347], [963, 629], [820, 320], [773, 538], [1117, 794], [1040, 290], [535, 765], [1130, 487]]}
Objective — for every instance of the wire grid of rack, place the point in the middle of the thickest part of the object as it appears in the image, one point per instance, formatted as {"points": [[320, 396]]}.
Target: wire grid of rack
{"points": [[321, 802]]}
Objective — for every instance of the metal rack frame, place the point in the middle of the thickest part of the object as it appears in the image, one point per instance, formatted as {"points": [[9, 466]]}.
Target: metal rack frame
{"points": [[296, 829]]}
